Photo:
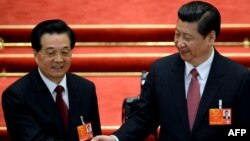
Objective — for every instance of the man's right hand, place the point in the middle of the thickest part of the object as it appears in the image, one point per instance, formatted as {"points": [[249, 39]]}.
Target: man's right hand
{"points": [[103, 138]]}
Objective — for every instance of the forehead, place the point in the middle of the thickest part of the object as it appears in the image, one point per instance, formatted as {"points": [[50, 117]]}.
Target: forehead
{"points": [[49, 37], [187, 27]]}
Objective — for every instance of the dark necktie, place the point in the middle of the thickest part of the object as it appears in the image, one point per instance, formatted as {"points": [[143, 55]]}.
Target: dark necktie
{"points": [[62, 105], [193, 97]]}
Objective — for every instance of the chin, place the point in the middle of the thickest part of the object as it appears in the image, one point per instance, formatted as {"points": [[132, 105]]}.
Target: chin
{"points": [[58, 73], [185, 58]]}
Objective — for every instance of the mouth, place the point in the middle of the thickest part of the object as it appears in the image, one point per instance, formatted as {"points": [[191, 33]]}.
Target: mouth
{"points": [[183, 52], [57, 68]]}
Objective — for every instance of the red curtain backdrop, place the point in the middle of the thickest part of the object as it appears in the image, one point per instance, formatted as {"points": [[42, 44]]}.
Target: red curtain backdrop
{"points": [[22, 12]]}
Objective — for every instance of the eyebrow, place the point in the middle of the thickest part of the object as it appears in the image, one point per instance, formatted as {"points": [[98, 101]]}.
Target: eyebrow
{"points": [[178, 30], [66, 47]]}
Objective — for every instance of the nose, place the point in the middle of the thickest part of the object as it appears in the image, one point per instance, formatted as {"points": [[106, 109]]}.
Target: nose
{"points": [[58, 57], [180, 43]]}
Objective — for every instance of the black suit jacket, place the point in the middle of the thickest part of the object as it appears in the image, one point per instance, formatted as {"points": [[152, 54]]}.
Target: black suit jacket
{"points": [[31, 113], [163, 102]]}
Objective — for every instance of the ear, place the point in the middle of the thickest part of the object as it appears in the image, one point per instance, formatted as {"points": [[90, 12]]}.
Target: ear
{"points": [[211, 37], [35, 53]]}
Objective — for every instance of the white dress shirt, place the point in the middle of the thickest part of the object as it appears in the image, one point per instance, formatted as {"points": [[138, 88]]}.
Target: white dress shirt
{"points": [[51, 86], [203, 70]]}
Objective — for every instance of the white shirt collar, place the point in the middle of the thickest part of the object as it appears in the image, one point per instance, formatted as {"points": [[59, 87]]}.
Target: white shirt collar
{"points": [[50, 84]]}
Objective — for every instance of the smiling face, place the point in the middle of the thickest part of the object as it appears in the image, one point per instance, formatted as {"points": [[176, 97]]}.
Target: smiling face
{"points": [[192, 46], [54, 58]]}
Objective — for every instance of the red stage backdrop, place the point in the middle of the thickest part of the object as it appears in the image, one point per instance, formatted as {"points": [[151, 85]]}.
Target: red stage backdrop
{"points": [[22, 12]]}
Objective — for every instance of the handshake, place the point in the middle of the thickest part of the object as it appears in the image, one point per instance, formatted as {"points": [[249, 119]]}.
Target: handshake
{"points": [[104, 138]]}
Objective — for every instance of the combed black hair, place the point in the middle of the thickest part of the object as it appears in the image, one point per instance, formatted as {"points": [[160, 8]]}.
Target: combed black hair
{"points": [[207, 16], [51, 26]]}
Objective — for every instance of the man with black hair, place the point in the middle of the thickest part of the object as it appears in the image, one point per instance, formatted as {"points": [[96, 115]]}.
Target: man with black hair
{"points": [[47, 103], [182, 88]]}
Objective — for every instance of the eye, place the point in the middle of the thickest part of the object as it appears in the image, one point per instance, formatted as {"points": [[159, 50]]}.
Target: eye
{"points": [[187, 38], [177, 35], [66, 51], [50, 52]]}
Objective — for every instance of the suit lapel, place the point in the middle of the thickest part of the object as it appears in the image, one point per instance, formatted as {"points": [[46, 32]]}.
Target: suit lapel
{"points": [[212, 87], [74, 110], [179, 90], [73, 97], [44, 98]]}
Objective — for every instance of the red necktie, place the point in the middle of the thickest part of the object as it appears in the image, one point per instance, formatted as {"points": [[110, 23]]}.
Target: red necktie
{"points": [[62, 105], [193, 97]]}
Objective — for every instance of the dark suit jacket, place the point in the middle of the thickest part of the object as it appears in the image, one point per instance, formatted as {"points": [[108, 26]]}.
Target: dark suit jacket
{"points": [[31, 113], [163, 102]]}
